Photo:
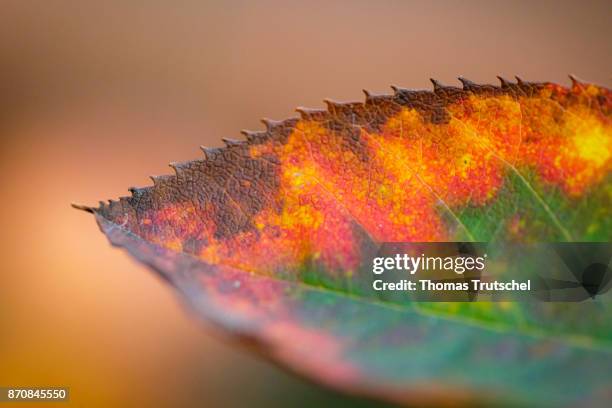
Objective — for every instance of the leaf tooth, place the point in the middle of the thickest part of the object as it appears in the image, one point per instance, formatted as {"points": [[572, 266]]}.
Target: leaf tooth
{"points": [[102, 206], [347, 110], [276, 125], [269, 123], [231, 142], [576, 83], [375, 99], [408, 94], [138, 191], [209, 152], [398, 89], [401, 93], [371, 97], [179, 167], [445, 91], [310, 113], [529, 87], [437, 85], [504, 83], [523, 86], [157, 180], [467, 84], [125, 200], [252, 135], [273, 126], [112, 204], [333, 106], [175, 167]]}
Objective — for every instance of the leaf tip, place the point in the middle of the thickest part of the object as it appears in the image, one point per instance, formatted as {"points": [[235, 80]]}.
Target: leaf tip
{"points": [[82, 207]]}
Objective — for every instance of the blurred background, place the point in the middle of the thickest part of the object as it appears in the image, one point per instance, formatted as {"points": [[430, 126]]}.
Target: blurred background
{"points": [[96, 96]]}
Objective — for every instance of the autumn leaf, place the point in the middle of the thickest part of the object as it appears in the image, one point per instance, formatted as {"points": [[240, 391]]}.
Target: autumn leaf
{"points": [[266, 237]]}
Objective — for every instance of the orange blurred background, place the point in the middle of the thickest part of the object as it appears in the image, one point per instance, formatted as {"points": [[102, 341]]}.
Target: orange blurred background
{"points": [[95, 96]]}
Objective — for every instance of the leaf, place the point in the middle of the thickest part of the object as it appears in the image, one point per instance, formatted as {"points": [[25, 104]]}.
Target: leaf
{"points": [[266, 237]]}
